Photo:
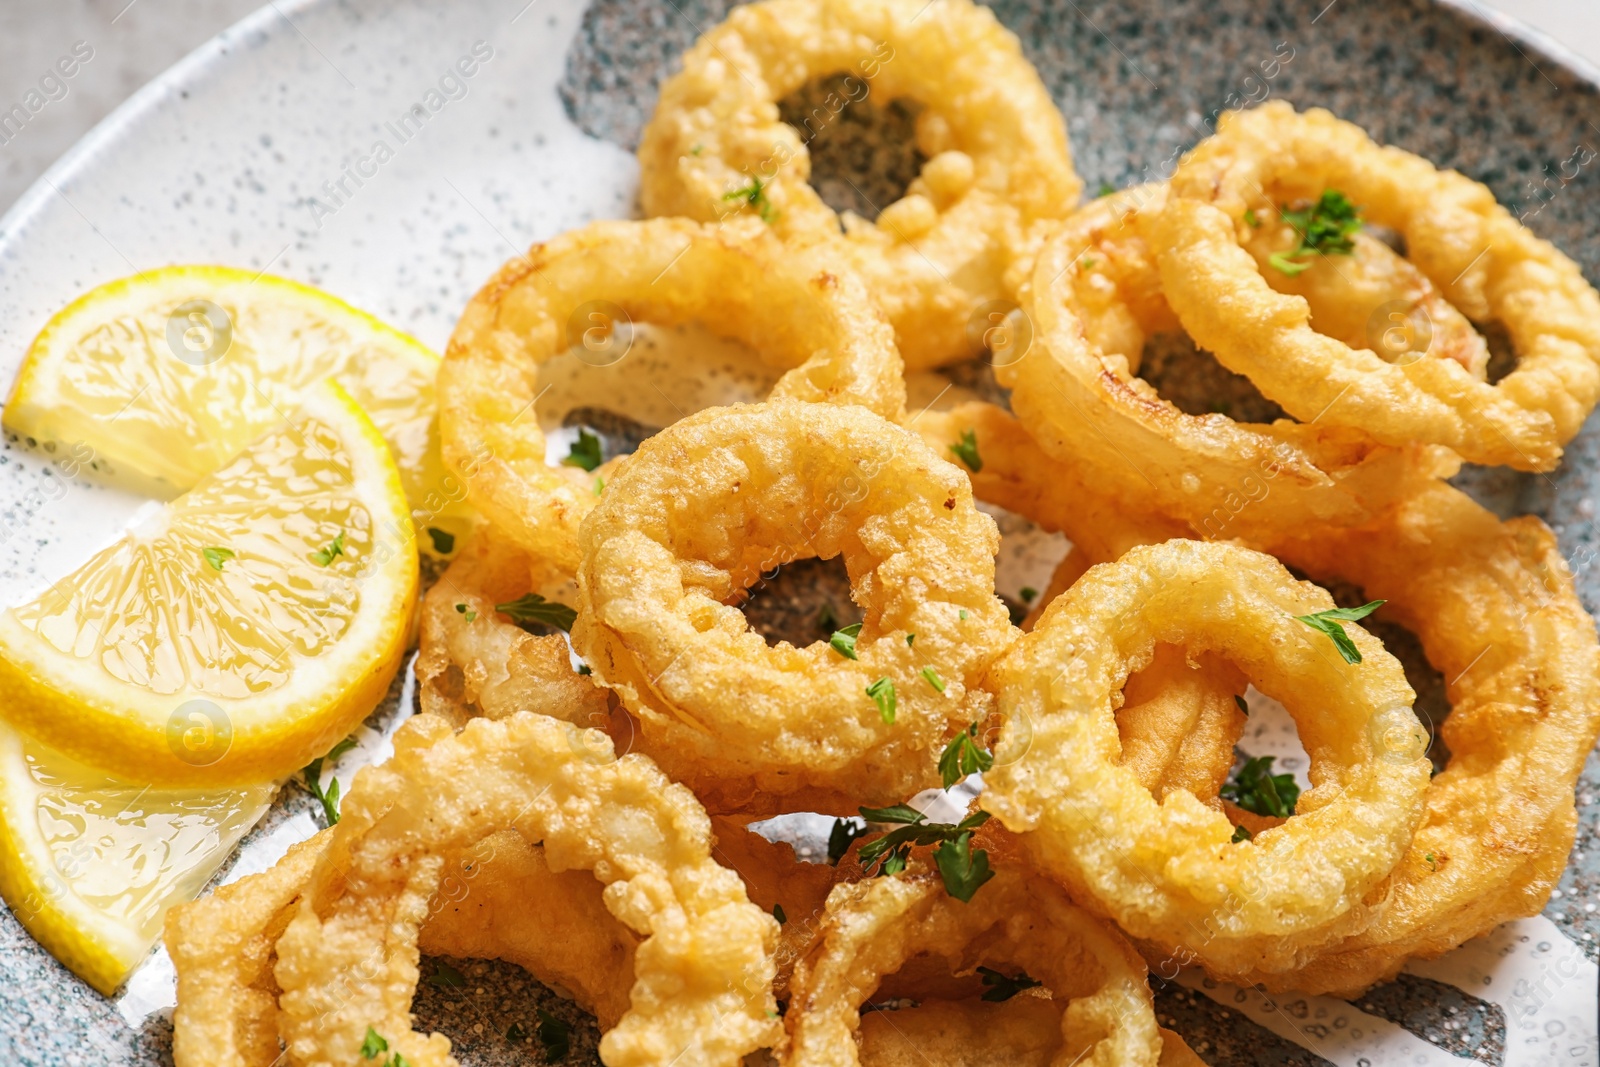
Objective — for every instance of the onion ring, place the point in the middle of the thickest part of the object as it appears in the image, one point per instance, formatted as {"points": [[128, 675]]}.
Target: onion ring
{"points": [[1494, 606], [1154, 867], [473, 663], [1484, 261], [1094, 297], [702, 973], [707, 505], [1103, 1004], [998, 159], [800, 310]]}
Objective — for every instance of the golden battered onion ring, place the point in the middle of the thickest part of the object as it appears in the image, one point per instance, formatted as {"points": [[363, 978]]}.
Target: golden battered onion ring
{"points": [[1095, 296], [703, 972], [706, 506], [1167, 872], [473, 662], [1494, 606], [1097, 982], [997, 150], [1484, 261], [1024, 1031], [799, 310], [1179, 722], [223, 951]]}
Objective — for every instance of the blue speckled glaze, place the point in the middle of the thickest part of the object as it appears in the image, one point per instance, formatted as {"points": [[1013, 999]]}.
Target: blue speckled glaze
{"points": [[220, 160]]}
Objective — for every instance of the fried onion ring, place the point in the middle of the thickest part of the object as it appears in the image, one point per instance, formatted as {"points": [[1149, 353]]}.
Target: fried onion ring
{"points": [[1101, 1002], [996, 145], [703, 970], [1094, 298], [799, 310], [1484, 261], [706, 506], [1494, 606], [1154, 867]]}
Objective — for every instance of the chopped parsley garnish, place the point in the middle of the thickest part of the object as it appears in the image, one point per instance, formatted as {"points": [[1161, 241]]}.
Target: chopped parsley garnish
{"points": [[1331, 622], [1241, 833], [444, 542], [1243, 707], [467, 613], [1027, 593], [313, 774], [373, 1045], [446, 976], [911, 640], [1324, 228], [530, 608], [963, 614], [966, 450], [755, 195], [1250, 219], [844, 831], [930, 676], [882, 694], [599, 486], [584, 668], [1003, 987], [964, 871], [1106, 189], [1433, 864], [324, 556], [844, 641], [216, 557], [1256, 789], [555, 1036], [585, 451], [963, 756], [516, 1034], [777, 913]]}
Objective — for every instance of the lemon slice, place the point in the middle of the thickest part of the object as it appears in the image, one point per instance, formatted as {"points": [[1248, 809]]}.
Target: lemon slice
{"points": [[167, 375], [90, 864], [239, 631]]}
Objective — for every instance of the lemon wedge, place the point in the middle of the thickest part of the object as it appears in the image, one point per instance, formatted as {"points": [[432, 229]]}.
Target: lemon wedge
{"points": [[238, 632], [167, 375], [90, 864]]}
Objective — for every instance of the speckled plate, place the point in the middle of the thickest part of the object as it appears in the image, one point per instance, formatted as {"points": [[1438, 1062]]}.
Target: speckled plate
{"points": [[261, 150]]}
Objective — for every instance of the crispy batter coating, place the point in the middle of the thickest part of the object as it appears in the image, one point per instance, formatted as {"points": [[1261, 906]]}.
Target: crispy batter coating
{"points": [[706, 506], [1494, 606], [1179, 723], [1167, 871], [801, 310], [348, 959], [474, 662], [1484, 262], [1101, 1004], [1094, 298], [997, 152], [1024, 1031]]}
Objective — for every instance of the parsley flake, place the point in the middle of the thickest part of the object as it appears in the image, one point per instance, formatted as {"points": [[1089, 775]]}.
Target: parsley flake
{"points": [[882, 694], [446, 976], [1324, 228], [531, 608], [1251, 219], [1331, 622], [1027, 593], [1256, 789], [777, 913], [516, 1034], [585, 451], [844, 831], [329, 798], [444, 542], [373, 1045], [963, 756], [966, 450], [1240, 833], [754, 195], [911, 640], [216, 557], [324, 556], [933, 679], [1106, 189], [599, 486], [1243, 707], [1003, 987], [555, 1036], [467, 613], [964, 870], [844, 641]]}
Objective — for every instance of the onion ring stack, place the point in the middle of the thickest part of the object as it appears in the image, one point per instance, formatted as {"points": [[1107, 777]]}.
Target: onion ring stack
{"points": [[996, 147]]}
